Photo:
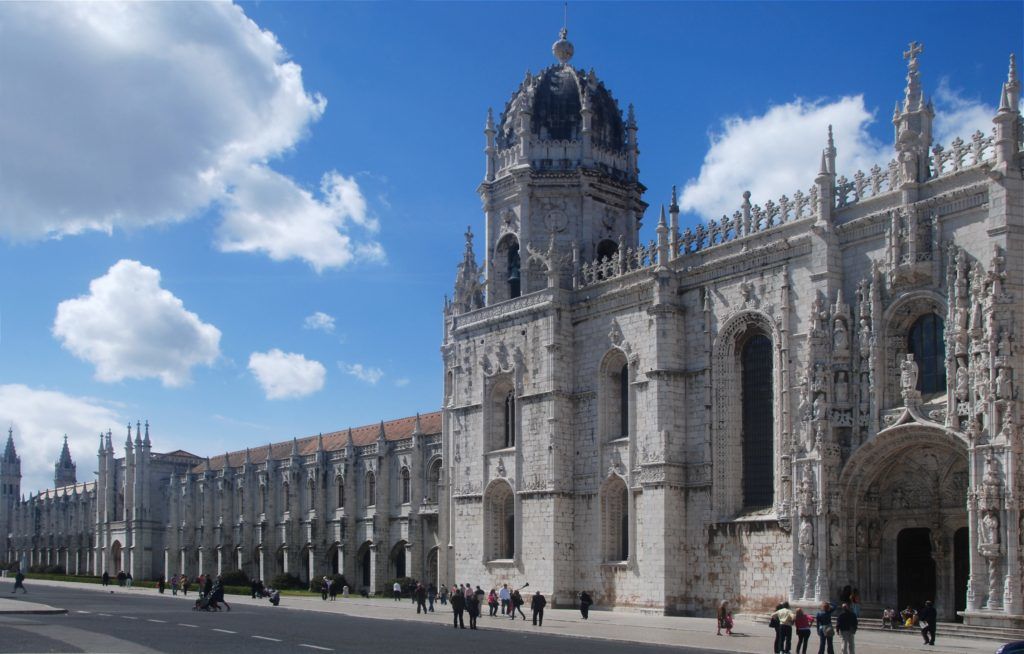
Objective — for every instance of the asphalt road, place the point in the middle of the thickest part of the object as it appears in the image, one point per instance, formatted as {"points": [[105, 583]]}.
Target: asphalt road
{"points": [[126, 622]]}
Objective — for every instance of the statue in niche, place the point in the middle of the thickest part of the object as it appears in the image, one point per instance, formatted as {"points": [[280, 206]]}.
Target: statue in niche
{"points": [[820, 383], [820, 409], [1007, 430], [865, 337], [865, 389], [862, 535], [1003, 349], [908, 374], [1004, 387], [962, 383], [842, 387], [988, 532], [834, 537], [804, 406], [806, 537], [981, 393], [819, 435], [840, 337]]}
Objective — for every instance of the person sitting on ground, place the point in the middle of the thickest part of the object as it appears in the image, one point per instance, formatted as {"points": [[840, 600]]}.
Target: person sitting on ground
{"points": [[908, 616], [889, 618], [275, 597]]}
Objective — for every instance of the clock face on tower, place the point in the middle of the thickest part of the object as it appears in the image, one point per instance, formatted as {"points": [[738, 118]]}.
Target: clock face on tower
{"points": [[556, 220]]}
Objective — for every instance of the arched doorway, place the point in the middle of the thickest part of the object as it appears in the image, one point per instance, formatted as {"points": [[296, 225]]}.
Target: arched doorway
{"points": [[961, 569], [364, 565], [397, 560], [432, 568], [115, 556], [915, 567], [899, 536], [333, 559]]}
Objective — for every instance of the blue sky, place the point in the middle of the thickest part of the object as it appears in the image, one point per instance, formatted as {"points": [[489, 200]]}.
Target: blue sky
{"points": [[221, 174]]}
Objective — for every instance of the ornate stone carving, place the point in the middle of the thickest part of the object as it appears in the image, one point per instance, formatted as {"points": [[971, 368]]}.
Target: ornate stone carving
{"points": [[908, 379], [1004, 387]]}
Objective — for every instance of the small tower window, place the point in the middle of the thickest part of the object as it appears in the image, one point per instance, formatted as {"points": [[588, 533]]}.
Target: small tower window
{"points": [[371, 489], [624, 400], [341, 493], [510, 419], [514, 265], [406, 486]]}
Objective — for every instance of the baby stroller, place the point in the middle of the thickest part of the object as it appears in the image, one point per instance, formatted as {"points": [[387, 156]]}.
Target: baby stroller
{"points": [[202, 604]]}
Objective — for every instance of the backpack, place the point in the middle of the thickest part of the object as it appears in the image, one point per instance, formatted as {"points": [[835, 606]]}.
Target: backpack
{"points": [[774, 622]]}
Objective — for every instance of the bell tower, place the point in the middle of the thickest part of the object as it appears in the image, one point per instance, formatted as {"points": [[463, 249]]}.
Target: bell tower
{"points": [[64, 469], [561, 178], [10, 489]]}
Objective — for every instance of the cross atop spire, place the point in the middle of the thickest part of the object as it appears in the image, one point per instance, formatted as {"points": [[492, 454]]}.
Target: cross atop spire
{"points": [[912, 97], [913, 49], [11, 454]]}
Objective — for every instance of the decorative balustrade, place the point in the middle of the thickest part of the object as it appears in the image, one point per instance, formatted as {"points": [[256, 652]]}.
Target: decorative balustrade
{"points": [[961, 154], [861, 187], [624, 262]]}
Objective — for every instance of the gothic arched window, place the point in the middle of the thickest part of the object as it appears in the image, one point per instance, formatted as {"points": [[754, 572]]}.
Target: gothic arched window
{"points": [[287, 494], [510, 419], [615, 507], [371, 489], [925, 342], [406, 486], [500, 522], [756, 402], [434, 481], [624, 400], [341, 493], [514, 277]]}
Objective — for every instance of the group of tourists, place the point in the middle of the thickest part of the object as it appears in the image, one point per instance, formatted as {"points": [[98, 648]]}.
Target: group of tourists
{"points": [[329, 589], [466, 599], [124, 579], [784, 620]]}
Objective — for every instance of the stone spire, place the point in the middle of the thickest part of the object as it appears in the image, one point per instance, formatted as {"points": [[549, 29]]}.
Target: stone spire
{"points": [[295, 447], [913, 125], [912, 95], [11, 454], [138, 433], [248, 457], [64, 470], [469, 294], [350, 447], [128, 439], [110, 442], [145, 441], [1007, 136], [382, 439], [102, 448]]}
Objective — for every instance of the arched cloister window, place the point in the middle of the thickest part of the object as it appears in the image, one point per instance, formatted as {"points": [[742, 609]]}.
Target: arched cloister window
{"points": [[615, 397], [615, 520], [341, 492], [500, 522], [514, 271], [624, 400], [434, 481], [263, 498], [925, 341], [406, 485], [757, 406], [371, 489]]}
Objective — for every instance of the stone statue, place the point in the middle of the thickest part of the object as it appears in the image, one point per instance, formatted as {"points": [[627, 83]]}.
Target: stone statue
{"points": [[988, 532], [908, 374], [865, 388], [842, 387], [840, 337], [820, 409], [962, 383], [819, 379], [1007, 430], [804, 406], [862, 535], [865, 338], [1004, 387], [806, 537]]}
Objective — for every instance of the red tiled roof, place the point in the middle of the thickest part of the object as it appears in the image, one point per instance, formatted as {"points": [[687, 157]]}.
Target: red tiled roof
{"points": [[394, 430]]}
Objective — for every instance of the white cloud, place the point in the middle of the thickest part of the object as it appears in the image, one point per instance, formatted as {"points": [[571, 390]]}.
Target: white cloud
{"points": [[321, 321], [956, 115], [122, 115], [779, 152], [285, 375], [131, 328], [402, 382], [267, 212], [41, 418], [367, 374]]}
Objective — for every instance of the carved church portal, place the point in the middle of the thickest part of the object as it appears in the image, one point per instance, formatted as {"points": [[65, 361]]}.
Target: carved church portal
{"points": [[915, 568]]}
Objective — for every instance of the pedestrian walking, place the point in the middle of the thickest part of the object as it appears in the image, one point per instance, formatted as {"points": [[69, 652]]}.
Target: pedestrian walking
{"points": [[504, 595], [846, 625], [19, 582], [724, 619], [174, 584], [397, 590], [217, 593], [431, 596], [458, 607], [585, 602], [926, 619], [517, 604], [444, 595], [421, 599], [473, 609], [185, 583], [783, 621], [332, 589], [826, 633], [537, 604], [855, 602], [160, 585], [802, 624], [492, 602], [106, 578], [120, 578], [128, 580]]}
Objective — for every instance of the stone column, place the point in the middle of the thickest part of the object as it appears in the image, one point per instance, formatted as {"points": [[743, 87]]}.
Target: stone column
{"points": [[201, 560], [409, 572], [311, 558], [373, 568]]}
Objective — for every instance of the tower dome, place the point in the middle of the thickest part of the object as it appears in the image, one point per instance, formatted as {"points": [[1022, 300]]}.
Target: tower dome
{"points": [[571, 108]]}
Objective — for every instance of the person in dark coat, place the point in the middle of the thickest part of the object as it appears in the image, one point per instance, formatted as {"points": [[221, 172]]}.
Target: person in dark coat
{"points": [[846, 626], [19, 582], [585, 602], [823, 619], [473, 609], [537, 604], [106, 578], [208, 586], [185, 583], [458, 602], [421, 599], [926, 619], [431, 596], [160, 585]]}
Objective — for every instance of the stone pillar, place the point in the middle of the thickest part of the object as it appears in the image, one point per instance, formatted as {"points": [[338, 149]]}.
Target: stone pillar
{"points": [[339, 569], [373, 568], [167, 564], [201, 560], [220, 560], [285, 562], [409, 571], [311, 559]]}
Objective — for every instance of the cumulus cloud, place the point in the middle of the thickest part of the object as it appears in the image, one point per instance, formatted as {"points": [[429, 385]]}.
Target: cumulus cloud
{"points": [[131, 328], [321, 321], [267, 212], [779, 152], [123, 115], [285, 375], [363, 373], [40, 419]]}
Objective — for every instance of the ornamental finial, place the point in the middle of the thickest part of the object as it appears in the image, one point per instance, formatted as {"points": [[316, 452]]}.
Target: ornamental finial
{"points": [[562, 48]]}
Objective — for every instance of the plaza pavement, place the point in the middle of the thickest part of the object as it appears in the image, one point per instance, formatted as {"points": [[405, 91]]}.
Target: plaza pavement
{"points": [[608, 625]]}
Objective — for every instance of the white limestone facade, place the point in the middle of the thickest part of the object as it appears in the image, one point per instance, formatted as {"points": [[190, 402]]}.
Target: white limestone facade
{"points": [[817, 391]]}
